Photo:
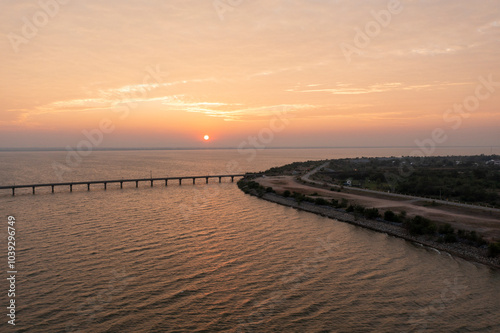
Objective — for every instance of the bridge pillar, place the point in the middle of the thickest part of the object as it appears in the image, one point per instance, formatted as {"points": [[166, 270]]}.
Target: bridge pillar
{"points": [[232, 179], [121, 184], [13, 191], [136, 183], [220, 179], [151, 183], [166, 182], [88, 186], [194, 180], [52, 188], [180, 181], [33, 189], [105, 185], [207, 180], [71, 187]]}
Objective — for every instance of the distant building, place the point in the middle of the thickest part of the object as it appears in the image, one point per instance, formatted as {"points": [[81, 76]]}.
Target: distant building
{"points": [[493, 162]]}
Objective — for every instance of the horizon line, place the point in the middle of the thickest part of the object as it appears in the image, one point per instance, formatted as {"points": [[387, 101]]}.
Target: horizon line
{"points": [[27, 149]]}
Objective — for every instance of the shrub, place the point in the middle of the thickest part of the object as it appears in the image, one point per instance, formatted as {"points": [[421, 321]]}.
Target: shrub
{"points": [[350, 209], [372, 213], [253, 184], [390, 216], [269, 190], [286, 194], [298, 197], [343, 203], [321, 202], [359, 209], [450, 238], [446, 229], [420, 226], [494, 249], [471, 237]]}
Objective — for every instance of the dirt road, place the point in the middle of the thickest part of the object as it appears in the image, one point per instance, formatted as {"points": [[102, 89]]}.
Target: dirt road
{"points": [[487, 223]]}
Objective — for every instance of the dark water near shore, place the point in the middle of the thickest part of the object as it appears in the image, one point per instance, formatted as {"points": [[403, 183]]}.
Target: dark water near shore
{"points": [[209, 258]]}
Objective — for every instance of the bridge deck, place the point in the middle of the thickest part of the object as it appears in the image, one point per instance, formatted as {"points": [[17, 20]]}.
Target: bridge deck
{"points": [[121, 181]]}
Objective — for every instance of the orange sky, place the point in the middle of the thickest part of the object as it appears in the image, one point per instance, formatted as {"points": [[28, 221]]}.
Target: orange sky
{"points": [[287, 72]]}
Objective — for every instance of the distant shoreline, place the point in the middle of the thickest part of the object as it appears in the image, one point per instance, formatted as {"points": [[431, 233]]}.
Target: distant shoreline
{"points": [[463, 251], [62, 149]]}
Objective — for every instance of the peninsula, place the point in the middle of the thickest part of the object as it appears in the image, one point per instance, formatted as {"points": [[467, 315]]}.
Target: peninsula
{"points": [[449, 203]]}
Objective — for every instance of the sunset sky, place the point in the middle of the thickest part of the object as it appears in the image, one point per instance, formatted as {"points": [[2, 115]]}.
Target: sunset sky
{"points": [[290, 73]]}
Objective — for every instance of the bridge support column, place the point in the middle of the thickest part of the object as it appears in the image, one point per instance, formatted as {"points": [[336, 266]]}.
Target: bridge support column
{"points": [[180, 181], [206, 179], [166, 182], [33, 189], [220, 179], [52, 188], [232, 179], [71, 187], [121, 184], [13, 191], [151, 183], [105, 186], [136, 183], [194, 181], [88, 186]]}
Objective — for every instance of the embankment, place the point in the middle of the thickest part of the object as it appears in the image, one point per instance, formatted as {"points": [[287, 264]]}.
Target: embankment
{"points": [[461, 250]]}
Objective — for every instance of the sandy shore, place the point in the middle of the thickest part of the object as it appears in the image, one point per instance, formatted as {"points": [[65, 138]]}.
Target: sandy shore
{"points": [[457, 249]]}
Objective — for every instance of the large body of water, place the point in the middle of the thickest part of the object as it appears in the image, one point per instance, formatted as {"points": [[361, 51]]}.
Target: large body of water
{"points": [[209, 258]]}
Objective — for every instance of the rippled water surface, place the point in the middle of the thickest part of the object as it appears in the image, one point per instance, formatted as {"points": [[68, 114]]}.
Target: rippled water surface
{"points": [[209, 258]]}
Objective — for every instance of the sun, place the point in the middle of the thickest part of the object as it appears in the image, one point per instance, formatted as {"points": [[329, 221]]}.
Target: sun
{"points": [[206, 137]]}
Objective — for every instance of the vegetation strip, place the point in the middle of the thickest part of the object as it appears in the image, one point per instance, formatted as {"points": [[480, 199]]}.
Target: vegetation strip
{"points": [[465, 244]]}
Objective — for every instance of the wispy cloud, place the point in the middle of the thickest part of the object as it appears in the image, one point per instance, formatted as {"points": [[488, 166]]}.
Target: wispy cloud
{"points": [[350, 89], [435, 51], [267, 56], [340, 90], [250, 113], [489, 26], [110, 98]]}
